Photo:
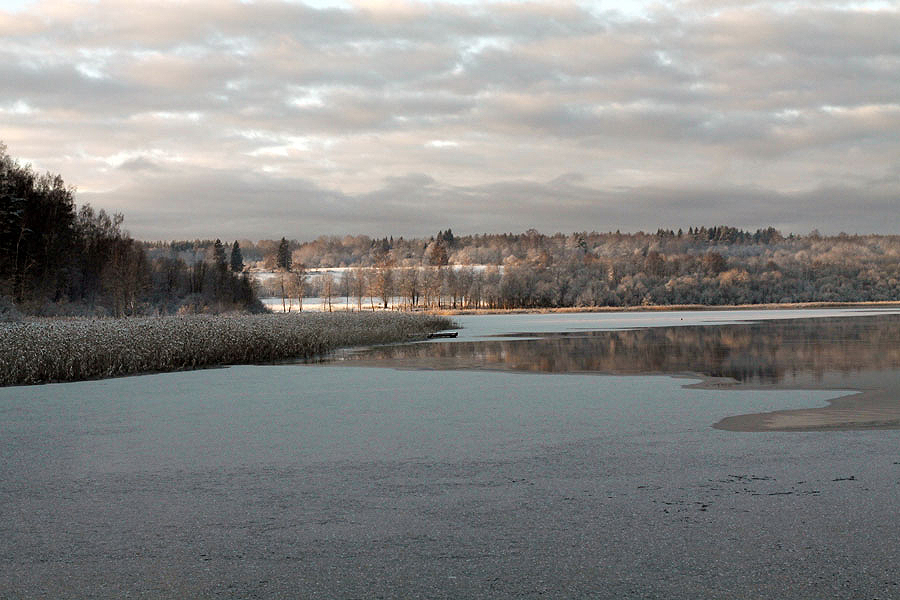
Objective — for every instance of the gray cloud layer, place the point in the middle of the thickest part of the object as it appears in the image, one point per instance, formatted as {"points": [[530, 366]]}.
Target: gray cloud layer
{"points": [[267, 118]]}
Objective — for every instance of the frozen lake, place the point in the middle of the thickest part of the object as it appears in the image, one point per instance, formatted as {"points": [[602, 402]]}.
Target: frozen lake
{"points": [[324, 481]]}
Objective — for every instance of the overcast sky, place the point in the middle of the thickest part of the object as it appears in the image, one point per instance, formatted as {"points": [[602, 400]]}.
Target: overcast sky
{"points": [[219, 118]]}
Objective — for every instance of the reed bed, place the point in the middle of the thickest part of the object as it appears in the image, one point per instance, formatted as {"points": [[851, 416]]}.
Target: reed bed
{"points": [[54, 350]]}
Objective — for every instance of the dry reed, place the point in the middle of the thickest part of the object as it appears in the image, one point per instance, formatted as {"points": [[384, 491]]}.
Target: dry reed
{"points": [[53, 350]]}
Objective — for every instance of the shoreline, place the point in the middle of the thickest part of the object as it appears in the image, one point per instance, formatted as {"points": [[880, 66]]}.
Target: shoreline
{"points": [[855, 407], [663, 308]]}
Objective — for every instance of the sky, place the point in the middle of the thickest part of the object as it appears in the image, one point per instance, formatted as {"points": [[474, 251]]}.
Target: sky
{"points": [[262, 119]]}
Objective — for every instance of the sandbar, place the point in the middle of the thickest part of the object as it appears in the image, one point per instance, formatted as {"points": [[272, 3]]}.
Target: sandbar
{"points": [[858, 409]]}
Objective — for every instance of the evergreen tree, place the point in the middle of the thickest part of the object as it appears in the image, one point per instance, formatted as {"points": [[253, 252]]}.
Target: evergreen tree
{"points": [[237, 258], [219, 256], [55, 259], [283, 258]]}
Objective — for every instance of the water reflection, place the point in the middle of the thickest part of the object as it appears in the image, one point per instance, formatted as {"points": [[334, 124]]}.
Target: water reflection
{"points": [[767, 352]]}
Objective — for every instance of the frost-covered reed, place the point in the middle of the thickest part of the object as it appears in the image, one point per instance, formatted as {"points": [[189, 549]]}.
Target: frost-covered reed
{"points": [[48, 350]]}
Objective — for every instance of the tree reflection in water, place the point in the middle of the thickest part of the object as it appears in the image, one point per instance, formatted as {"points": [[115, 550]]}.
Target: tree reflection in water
{"points": [[759, 353]]}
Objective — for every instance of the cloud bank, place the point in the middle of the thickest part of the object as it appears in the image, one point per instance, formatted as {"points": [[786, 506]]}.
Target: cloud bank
{"points": [[262, 119]]}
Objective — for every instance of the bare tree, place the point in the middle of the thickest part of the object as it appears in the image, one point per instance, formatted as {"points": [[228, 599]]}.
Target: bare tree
{"points": [[299, 283], [384, 282], [327, 290], [434, 278], [409, 285], [344, 288], [359, 286]]}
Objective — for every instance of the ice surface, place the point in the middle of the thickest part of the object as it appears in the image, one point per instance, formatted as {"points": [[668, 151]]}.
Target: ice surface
{"points": [[475, 326], [322, 482]]}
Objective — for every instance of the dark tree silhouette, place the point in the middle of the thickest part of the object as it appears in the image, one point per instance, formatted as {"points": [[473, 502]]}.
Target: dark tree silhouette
{"points": [[55, 259], [283, 257], [237, 258]]}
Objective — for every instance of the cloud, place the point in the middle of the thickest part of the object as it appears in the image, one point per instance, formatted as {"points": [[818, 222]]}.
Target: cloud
{"points": [[140, 163], [266, 207], [252, 116]]}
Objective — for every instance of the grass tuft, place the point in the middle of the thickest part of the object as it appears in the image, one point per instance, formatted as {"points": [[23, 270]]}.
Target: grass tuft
{"points": [[55, 350]]}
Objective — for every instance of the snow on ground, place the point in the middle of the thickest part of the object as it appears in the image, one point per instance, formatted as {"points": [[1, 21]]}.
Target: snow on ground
{"points": [[318, 304]]}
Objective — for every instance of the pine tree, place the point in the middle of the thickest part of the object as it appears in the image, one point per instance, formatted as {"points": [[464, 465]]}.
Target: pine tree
{"points": [[283, 258], [237, 258]]}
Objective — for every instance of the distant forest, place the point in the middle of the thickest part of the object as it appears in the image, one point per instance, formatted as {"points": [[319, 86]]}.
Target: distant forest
{"points": [[56, 259], [700, 265]]}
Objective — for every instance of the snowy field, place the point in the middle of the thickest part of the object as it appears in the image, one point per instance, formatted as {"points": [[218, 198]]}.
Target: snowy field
{"points": [[318, 304]]}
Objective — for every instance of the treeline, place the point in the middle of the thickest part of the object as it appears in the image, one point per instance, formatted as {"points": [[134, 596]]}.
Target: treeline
{"points": [[58, 259], [485, 249], [701, 265]]}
